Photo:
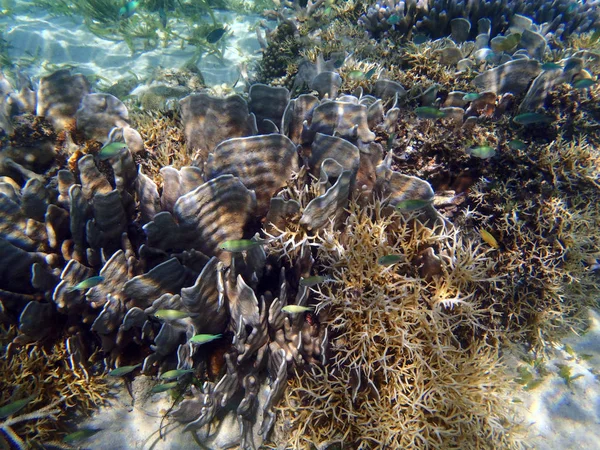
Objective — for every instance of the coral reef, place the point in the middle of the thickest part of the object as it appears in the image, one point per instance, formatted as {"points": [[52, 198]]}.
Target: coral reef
{"points": [[441, 18], [59, 388], [117, 227], [411, 345]]}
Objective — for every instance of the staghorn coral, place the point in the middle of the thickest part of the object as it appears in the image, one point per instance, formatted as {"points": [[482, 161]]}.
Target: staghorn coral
{"points": [[412, 345], [60, 390], [546, 222]]}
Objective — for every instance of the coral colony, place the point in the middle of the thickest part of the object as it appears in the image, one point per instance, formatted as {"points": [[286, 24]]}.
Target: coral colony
{"points": [[335, 259]]}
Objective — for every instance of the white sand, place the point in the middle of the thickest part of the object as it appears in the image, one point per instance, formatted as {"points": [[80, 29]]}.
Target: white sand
{"points": [[561, 416], [39, 43]]}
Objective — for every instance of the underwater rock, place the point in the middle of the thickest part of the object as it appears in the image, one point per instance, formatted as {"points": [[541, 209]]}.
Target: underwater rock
{"points": [[520, 23], [280, 211], [59, 96], [448, 56], [262, 163], [166, 278], [147, 196], [267, 103], [514, 77], [208, 121], [204, 300]]}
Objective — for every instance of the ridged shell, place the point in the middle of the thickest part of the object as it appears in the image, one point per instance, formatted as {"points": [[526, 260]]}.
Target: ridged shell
{"points": [[208, 121], [343, 119], [267, 103], [98, 114], [328, 206], [203, 298], [298, 110], [59, 96], [262, 163], [215, 212]]}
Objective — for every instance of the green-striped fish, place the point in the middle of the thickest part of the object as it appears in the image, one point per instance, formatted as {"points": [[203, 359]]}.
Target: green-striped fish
{"points": [[171, 314], [296, 309], [481, 151], [172, 374], [370, 73], [429, 112], [240, 245], [123, 370], [312, 281], [14, 407], [356, 75], [163, 387], [583, 83], [516, 144], [389, 260], [472, 96], [87, 284], [412, 205], [110, 150], [205, 338], [532, 118], [79, 435], [551, 66]]}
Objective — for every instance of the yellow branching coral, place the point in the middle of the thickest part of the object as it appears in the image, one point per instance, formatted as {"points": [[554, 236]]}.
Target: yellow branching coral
{"points": [[44, 373], [548, 222], [414, 360]]}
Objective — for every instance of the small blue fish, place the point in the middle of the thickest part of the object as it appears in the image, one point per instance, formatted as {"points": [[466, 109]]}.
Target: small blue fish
{"points": [[313, 281], [429, 112], [532, 118], [481, 151], [412, 205], [87, 284], [516, 144], [551, 66], [204, 338], [110, 150], [128, 9], [419, 39], [370, 73], [172, 374], [14, 407], [123, 370], [215, 35], [394, 19], [296, 309], [389, 260], [163, 387], [79, 435], [583, 83], [472, 96]]}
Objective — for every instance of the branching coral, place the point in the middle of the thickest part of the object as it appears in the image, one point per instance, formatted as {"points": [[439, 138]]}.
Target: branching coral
{"points": [[547, 222], [34, 370], [413, 361]]}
